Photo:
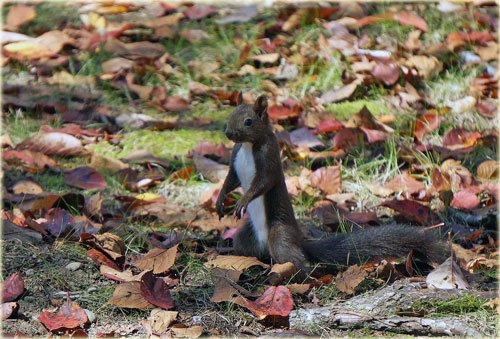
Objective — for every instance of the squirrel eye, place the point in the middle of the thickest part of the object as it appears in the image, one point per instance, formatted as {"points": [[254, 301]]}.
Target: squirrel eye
{"points": [[247, 122]]}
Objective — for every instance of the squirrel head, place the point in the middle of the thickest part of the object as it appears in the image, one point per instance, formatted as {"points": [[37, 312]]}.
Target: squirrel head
{"points": [[248, 123]]}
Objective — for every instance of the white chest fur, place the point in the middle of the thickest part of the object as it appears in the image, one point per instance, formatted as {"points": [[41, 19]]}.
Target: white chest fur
{"points": [[244, 165]]}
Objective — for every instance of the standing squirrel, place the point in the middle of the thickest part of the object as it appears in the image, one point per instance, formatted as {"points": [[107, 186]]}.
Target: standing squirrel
{"points": [[272, 231]]}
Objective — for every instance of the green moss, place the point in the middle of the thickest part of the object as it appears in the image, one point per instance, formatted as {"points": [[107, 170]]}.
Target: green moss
{"points": [[344, 110], [168, 144], [464, 304]]}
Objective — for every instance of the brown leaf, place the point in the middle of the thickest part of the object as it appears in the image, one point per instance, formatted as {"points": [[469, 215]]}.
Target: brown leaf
{"points": [[488, 52], [426, 123], [364, 118], [27, 186], [158, 260], [198, 12], [327, 179], [156, 291], [276, 300], [125, 276], [281, 272], [488, 170], [19, 15], [350, 279], [175, 103], [328, 126], [70, 316], [210, 169], [135, 50], [409, 19], [270, 58], [85, 178], [405, 183], [46, 45], [187, 332], [459, 138], [12, 287], [465, 199], [348, 138], [387, 73], [100, 259], [234, 262], [98, 162], [128, 295], [54, 143], [427, 67], [447, 276], [413, 42], [280, 112], [224, 285], [302, 137], [460, 177], [413, 211], [341, 93], [160, 320]]}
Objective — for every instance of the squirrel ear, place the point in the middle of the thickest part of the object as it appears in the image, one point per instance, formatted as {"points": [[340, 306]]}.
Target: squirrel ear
{"points": [[260, 105], [240, 98]]}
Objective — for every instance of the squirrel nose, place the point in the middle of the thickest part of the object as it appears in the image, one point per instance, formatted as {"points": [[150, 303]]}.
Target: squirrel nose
{"points": [[229, 133]]}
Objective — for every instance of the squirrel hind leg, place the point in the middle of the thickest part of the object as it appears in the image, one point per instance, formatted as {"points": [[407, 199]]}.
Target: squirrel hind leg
{"points": [[285, 245], [245, 243]]}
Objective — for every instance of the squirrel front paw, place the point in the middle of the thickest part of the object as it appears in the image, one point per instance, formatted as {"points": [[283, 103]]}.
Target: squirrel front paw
{"points": [[219, 205], [240, 209]]}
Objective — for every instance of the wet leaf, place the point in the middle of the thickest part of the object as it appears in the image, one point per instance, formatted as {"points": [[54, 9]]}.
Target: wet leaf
{"points": [[128, 295], [85, 178], [158, 260], [70, 316], [350, 279], [156, 291], [12, 287]]}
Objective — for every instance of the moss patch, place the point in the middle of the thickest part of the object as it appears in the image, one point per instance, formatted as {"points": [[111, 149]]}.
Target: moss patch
{"points": [[167, 144], [344, 110]]}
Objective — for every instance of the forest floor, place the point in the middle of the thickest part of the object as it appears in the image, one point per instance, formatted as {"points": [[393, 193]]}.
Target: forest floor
{"points": [[113, 155]]}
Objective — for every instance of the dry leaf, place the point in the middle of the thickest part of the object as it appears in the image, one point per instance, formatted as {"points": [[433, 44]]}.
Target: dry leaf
{"points": [[187, 332], [327, 179], [427, 67], [128, 295], [488, 170], [447, 276], [160, 320], [53, 143], [350, 279], [234, 262], [224, 285], [158, 260], [19, 15]]}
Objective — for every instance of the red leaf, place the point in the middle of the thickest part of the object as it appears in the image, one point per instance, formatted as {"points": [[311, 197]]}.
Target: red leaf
{"points": [[279, 112], [409, 19], [473, 37], [156, 291], [387, 73], [413, 211], [100, 258], [197, 12], [327, 126], [12, 287], [374, 135], [276, 300], [426, 123], [29, 160], [69, 316], [465, 199], [85, 178], [348, 138], [459, 138]]}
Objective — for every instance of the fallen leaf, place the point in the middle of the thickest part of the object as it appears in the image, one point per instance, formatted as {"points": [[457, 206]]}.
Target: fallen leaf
{"points": [[276, 300], [210, 169], [459, 138], [161, 320], [187, 332], [270, 58], [8, 309], [348, 138], [281, 272], [58, 221], [348, 281], [280, 112], [54, 143], [224, 285], [158, 260], [85, 178], [387, 73], [427, 67], [413, 41], [341, 93], [447, 276], [327, 179], [406, 184], [302, 137], [156, 291], [100, 259], [488, 52], [125, 276], [19, 15], [12, 287], [128, 295], [234, 262], [238, 14], [46, 45], [413, 211], [426, 123], [328, 126], [198, 12], [175, 103], [465, 199], [488, 170], [27, 186], [480, 263], [409, 19], [460, 177], [70, 316]]}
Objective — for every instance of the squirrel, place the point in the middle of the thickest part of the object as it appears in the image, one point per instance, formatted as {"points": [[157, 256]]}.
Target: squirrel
{"points": [[272, 231]]}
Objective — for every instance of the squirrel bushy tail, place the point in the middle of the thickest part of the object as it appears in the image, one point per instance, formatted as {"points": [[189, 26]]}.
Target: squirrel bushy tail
{"points": [[376, 243]]}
